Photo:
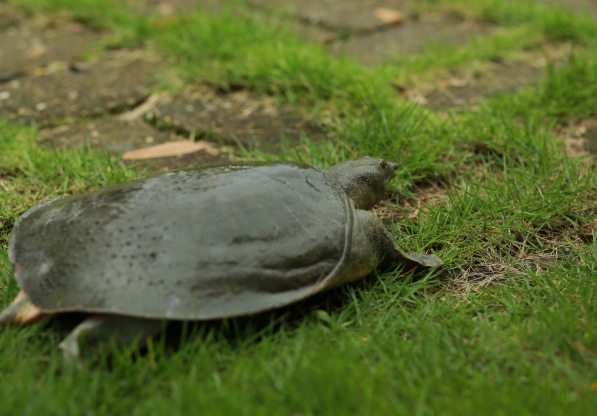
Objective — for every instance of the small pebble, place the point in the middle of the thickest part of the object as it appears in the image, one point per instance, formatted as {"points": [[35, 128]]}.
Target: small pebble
{"points": [[41, 106], [149, 139], [4, 95], [94, 133]]}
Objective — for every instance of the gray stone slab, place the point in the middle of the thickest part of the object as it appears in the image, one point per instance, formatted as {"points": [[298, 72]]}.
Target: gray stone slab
{"points": [[112, 83], [578, 6], [411, 37], [355, 16], [468, 90], [239, 115], [115, 136], [33, 43], [108, 133], [171, 7]]}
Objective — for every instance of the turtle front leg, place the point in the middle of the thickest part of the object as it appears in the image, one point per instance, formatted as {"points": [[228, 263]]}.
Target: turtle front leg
{"points": [[99, 330], [386, 249], [22, 311]]}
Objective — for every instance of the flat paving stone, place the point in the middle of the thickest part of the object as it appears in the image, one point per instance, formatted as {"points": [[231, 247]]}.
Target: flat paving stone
{"points": [[117, 137], [463, 88], [578, 6], [107, 133], [354, 16], [361, 34], [238, 115], [116, 81], [469, 89], [28, 44], [410, 37], [170, 7]]}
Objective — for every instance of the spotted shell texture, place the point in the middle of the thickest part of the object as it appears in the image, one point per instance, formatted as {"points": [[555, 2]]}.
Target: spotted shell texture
{"points": [[201, 243]]}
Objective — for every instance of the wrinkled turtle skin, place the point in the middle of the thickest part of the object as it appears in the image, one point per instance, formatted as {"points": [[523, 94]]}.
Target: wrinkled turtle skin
{"points": [[208, 242]]}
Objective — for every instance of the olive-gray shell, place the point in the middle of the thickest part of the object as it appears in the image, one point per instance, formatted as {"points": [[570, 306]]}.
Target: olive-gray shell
{"points": [[202, 243]]}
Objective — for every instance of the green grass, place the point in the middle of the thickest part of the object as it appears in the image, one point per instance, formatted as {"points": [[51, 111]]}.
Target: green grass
{"points": [[426, 344], [567, 93], [118, 17]]}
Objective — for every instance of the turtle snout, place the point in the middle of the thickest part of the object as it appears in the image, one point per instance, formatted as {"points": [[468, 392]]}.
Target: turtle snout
{"points": [[392, 166]]}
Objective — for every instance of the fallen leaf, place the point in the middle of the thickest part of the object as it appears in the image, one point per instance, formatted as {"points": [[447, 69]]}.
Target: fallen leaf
{"points": [[389, 16], [177, 148]]}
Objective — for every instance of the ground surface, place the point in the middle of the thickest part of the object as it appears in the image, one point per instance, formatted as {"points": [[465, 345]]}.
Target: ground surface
{"points": [[53, 73], [488, 106]]}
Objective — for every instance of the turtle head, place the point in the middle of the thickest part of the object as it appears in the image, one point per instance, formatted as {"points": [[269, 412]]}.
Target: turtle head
{"points": [[364, 180]]}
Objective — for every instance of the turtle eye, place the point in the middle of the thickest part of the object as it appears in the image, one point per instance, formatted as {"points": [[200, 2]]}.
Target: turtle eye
{"points": [[382, 163]]}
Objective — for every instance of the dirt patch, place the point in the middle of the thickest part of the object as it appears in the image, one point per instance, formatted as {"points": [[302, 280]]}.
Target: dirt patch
{"points": [[233, 116], [579, 137], [113, 83], [27, 45]]}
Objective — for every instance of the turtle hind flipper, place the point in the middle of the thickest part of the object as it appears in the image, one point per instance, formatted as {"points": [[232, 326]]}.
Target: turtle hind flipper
{"points": [[22, 311], [99, 331]]}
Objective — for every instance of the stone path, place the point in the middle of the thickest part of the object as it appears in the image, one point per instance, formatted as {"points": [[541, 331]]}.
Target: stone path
{"points": [[358, 28], [45, 80], [578, 6], [115, 82], [79, 103], [352, 27]]}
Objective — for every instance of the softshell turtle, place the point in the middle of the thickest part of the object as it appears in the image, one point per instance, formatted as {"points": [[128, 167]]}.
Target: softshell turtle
{"points": [[202, 243]]}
